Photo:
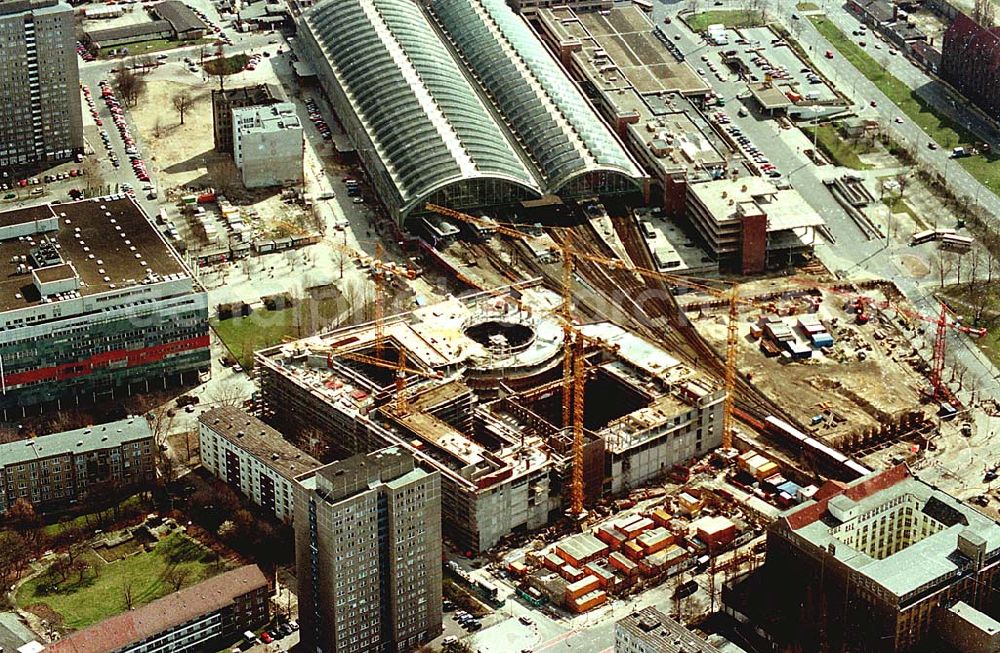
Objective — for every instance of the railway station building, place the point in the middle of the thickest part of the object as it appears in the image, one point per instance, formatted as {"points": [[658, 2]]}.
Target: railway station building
{"points": [[460, 104]]}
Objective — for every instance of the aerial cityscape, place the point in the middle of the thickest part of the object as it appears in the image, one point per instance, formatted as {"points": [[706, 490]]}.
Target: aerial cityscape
{"points": [[500, 326]]}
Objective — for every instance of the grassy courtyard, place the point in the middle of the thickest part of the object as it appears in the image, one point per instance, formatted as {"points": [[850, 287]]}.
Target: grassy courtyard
{"points": [[966, 298], [140, 48], [264, 328], [101, 592], [833, 145], [735, 18]]}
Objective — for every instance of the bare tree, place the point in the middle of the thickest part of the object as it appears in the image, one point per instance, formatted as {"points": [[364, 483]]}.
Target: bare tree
{"points": [[130, 85], [945, 263], [177, 576], [902, 179], [80, 566], [182, 102], [158, 128], [228, 394], [983, 13], [128, 598]]}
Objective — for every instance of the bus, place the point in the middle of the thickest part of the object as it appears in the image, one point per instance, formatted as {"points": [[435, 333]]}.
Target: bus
{"points": [[489, 591], [956, 243], [923, 237]]}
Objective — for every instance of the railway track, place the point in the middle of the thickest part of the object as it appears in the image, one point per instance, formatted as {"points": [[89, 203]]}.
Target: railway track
{"points": [[655, 312]]}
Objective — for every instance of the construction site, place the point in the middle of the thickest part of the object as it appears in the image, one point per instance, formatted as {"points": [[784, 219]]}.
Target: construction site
{"points": [[475, 388], [536, 404]]}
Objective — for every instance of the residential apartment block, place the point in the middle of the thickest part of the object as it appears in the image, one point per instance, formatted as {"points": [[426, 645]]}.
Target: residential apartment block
{"points": [[63, 468], [267, 145], [253, 458], [94, 305], [203, 617], [970, 61], [368, 555], [42, 118]]}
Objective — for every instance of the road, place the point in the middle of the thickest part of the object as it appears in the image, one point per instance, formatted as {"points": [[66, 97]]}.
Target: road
{"points": [[931, 90]]}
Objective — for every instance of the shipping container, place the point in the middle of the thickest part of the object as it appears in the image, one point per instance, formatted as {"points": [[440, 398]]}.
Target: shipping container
{"points": [[588, 601], [623, 564], [583, 586]]}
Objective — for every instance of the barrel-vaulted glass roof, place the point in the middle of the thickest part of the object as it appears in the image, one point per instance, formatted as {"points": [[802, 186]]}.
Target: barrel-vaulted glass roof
{"points": [[429, 126], [563, 134]]}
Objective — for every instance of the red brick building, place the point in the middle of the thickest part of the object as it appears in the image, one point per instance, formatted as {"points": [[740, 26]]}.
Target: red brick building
{"points": [[970, 61]]}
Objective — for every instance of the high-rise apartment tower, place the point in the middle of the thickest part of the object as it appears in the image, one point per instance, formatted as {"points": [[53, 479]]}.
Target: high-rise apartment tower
{"points": [[368, 551]]}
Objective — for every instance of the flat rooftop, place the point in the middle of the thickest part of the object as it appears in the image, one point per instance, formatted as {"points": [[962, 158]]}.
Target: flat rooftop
{"points": [[770, 96], [660, 633], [259, 440], [108, 241], [785, 208], [276, 117], [934, 558], [640, 80], [621, 44]]}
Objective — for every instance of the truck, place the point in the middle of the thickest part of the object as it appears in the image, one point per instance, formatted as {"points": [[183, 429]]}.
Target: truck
{"points": [[958, 153]]}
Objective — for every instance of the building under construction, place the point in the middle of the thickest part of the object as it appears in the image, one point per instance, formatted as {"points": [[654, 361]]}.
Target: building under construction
{"points": [[474, 388]]}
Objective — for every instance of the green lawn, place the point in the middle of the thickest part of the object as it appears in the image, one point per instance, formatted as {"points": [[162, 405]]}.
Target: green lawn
{"points": [[834, 146], [729, 18], [898, 205], [140, 48], [941, 129], [263, 328], [89, 520], [807, 6], [101, 593], [227, 65]]}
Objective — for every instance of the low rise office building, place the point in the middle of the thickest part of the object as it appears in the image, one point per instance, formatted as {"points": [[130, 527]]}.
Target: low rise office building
{"points": [[877, 565], [253, 458], [60, 469], [267, 145], [94, 306], [650, 631], [751, 223]]}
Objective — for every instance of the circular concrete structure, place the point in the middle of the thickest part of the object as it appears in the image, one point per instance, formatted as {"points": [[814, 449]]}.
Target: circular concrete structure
{"points": [[501, 335]]}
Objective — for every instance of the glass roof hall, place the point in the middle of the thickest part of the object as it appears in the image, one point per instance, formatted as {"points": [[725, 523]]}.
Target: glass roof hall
{"points": [[561, 131], [427, 122]]}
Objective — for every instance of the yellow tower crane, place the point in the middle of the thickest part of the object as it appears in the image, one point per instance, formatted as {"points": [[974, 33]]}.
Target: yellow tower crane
{"points": [[731, 294]]}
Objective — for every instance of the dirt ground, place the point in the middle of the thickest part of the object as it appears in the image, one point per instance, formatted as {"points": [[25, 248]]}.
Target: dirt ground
{"points": [[184, 159], [182, 154], [862, 380]]}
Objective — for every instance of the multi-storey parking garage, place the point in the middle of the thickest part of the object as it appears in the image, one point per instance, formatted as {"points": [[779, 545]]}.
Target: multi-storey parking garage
{"points": [[461, 106]]}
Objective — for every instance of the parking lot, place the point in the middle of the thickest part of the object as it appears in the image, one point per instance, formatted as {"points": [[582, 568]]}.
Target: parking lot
{"points": [[761, 52]]}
